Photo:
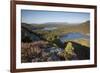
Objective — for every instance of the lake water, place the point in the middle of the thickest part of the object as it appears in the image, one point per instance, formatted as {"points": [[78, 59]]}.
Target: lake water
{"points": [[49, 28], [72, 36]]}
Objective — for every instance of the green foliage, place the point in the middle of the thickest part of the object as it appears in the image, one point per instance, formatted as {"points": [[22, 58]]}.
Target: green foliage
{"points": [[68, 52], [69, 48]]}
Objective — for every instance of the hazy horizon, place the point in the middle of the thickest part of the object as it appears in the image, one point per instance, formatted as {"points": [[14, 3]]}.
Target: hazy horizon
{"points": [[41, 16]]}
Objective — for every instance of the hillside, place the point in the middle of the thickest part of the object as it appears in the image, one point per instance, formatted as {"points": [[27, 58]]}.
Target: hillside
{"points": [[62, 28], [82, 52], [44, 52]]}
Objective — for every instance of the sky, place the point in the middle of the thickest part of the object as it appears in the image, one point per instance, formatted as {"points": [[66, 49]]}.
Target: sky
{"points": [[41, 16]]}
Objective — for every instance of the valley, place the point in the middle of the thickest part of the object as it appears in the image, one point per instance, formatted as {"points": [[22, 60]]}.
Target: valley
{"points": [[48, 42]]}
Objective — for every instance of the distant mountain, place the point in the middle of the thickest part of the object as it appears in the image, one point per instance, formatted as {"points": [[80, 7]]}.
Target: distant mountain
{"points": [[56, 23], [62, 27], [66, 24], [62, 23], [85, 26], [86, 23]]}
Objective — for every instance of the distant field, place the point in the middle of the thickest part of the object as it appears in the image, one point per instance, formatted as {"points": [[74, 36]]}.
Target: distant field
{"points": [[83, 42]]}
